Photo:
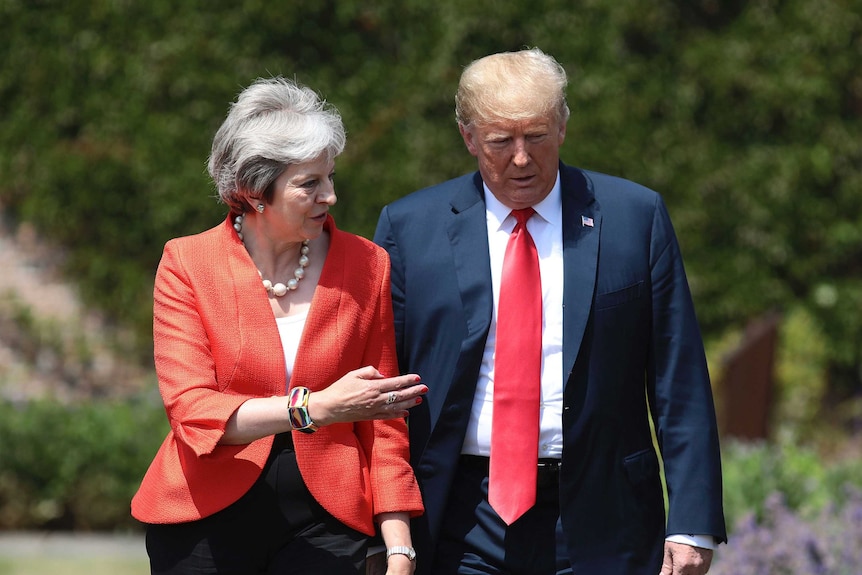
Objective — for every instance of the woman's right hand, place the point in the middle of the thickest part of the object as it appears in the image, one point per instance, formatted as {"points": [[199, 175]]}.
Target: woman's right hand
{"points": [[364, 394]]}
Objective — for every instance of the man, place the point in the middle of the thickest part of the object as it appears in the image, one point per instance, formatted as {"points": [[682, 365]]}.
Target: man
{"points": [[551, 302]]}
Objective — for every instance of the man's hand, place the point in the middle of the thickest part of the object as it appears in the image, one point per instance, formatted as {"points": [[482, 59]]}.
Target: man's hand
{"points": [[682, 559]]}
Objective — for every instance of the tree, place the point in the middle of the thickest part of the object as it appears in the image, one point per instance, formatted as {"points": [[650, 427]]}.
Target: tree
{"points": [[744, 115]]}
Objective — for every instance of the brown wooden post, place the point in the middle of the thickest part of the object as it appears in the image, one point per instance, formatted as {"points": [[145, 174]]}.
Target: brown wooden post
{"points": [[747, 381]]}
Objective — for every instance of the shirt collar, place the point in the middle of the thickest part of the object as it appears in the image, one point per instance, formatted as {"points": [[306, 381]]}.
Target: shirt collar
{"points": [[548, 209]]}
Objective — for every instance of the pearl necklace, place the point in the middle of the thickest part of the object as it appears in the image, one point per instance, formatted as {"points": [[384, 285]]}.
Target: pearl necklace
{"points": [[279, 289]]}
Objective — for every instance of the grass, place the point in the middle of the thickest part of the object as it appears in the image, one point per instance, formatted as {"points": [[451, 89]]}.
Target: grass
{"points": [[72, 566], [55, 553]]}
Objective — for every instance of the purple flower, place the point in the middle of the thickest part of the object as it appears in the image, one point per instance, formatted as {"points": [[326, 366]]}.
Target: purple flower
{"points": [[787, 543]]}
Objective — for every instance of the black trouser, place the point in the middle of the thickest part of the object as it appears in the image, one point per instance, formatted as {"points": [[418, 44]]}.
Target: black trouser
{"points": [[475, 541], [275, 528]]}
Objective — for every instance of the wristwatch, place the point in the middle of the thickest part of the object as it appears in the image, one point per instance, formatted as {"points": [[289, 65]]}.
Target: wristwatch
{"points": [[401, 550]]}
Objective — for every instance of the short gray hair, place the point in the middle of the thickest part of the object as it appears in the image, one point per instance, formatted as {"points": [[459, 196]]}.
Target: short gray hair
{"points": [[513, 86], [274, 123]]}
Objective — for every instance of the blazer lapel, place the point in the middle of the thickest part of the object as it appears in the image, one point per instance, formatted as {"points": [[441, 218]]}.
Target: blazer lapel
{"points": [[582, 223], [323, 316], [252, 319], [255, 318]]}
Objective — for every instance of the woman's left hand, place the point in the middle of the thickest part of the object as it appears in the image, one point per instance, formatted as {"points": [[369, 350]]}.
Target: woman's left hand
{"points": [[395, 528]]}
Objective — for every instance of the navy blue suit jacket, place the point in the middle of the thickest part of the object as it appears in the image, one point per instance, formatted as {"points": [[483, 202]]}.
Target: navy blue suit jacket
{"points": [[631, 346]]}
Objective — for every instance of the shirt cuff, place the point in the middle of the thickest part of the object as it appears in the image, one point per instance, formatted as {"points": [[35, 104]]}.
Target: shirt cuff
{"points": [[705, 541]]}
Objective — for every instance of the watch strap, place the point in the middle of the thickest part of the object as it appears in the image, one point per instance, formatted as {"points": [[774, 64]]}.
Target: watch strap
{"points": [[401, 550]]}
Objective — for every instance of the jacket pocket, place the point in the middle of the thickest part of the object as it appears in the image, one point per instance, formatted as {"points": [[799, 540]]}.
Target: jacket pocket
{"points": [[619, 297], [641, 466]]}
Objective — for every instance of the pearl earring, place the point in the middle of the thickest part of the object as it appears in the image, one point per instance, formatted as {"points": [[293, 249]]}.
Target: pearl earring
{"points": [[260, 208]]}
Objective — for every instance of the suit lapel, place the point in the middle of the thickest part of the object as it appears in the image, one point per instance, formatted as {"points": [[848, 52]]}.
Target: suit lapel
{"points": [[468, 238], [580, 258], [466, 227], [467, 230]]}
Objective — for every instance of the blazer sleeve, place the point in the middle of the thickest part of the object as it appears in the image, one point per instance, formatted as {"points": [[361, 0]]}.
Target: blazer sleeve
{"points": [[197, 405], [393, 483], [680, 393]]}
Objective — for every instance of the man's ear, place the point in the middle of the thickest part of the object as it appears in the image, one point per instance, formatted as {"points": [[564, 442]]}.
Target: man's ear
{"points": [[469, 139]]}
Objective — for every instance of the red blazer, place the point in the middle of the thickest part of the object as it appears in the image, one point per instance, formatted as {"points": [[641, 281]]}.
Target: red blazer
{"points": [[217, 345]]}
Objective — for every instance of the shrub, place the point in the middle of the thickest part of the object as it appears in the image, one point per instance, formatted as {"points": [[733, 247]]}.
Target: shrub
{"points": [[75, 467], [753, 472]]}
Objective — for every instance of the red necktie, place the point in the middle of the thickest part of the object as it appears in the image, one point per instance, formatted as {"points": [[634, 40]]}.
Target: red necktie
{"points": [[517, 375]]}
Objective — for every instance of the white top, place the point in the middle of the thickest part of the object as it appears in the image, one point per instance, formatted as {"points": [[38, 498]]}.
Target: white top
{"points": [[290, 329]]}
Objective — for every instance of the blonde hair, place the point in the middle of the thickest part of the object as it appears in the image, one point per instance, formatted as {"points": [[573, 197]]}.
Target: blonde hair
{"points": [[513, 86]]}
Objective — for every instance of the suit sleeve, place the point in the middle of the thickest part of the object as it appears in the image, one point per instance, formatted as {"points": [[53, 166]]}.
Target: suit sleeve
{"points": [[680, 393], [383, 237]]}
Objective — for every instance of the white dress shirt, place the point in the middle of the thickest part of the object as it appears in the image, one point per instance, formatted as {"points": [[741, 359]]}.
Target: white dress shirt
{"points": [[546, 228]]}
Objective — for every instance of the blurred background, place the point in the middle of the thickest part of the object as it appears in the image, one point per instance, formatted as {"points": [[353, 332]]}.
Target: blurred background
{"points": [[746, 116]]}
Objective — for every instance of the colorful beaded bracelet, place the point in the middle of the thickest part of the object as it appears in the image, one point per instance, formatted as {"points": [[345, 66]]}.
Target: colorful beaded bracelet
{"points": [[297, 410]]}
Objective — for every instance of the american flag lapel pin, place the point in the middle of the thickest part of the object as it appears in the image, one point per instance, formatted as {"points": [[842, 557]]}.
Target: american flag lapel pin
{"points": [[586, 221]]}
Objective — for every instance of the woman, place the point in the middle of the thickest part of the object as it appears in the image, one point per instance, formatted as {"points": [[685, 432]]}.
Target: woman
{"points": [[274, 349]]}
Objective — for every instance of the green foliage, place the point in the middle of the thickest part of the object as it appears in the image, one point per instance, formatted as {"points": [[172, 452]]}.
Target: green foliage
{"points": [[800, 378], [745, 115], [778, 109], [75, 467], [753, 472]]}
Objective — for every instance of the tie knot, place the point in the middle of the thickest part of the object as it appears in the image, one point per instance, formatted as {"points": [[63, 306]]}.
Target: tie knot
{"points": [[523, 215]]}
